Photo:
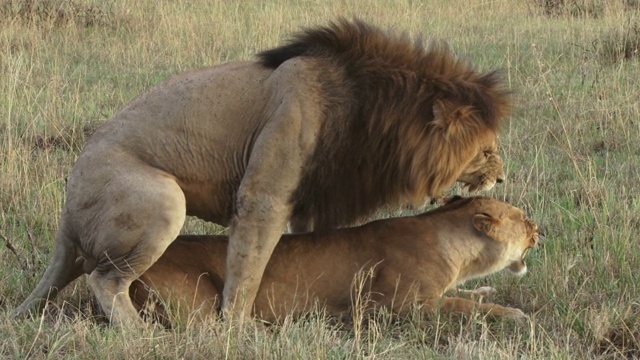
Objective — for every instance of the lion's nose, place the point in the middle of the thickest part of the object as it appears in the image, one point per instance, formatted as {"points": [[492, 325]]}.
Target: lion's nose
{"points": [[500, 180]]}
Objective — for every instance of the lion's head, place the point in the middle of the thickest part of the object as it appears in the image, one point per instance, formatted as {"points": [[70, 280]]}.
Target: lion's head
{"points": [[402, 122], [484, 171]]}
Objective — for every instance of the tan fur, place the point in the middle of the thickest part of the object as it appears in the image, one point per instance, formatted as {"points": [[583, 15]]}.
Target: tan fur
{"points": [[404, 260], [483, 172], [320, 132], [486, 170]]}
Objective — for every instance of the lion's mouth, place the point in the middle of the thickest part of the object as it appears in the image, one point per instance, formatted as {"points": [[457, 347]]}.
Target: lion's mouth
{"points": [[482, 186], [473, 187]]}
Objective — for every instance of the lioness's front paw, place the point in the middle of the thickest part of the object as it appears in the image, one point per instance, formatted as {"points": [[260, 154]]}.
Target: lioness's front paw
{"points": [[484, 291], [515, 314]]}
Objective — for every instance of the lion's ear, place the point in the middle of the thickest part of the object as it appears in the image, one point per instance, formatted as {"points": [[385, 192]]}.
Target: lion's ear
{"points": [[487, 224], [440, 114], [452, 119]]}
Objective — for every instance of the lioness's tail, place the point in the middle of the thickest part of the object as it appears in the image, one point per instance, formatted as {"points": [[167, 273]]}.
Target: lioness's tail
{"points": [[61, 271]]}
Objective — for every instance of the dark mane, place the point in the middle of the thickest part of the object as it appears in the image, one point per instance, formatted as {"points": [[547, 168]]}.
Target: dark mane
{"points": [[379, 143]]}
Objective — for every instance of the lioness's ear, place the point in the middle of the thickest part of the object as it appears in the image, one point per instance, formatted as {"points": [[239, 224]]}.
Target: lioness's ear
{"points": [[488, 225]]}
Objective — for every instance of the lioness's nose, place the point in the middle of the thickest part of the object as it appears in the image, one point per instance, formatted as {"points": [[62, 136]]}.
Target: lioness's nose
{"points": [[500, 179]]}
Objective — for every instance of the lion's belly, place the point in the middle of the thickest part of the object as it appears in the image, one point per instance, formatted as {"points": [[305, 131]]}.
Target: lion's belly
{"points": [[210, 201]]}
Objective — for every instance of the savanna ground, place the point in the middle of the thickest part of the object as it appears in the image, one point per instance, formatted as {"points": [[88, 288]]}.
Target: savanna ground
{"points": [[572, 154]]}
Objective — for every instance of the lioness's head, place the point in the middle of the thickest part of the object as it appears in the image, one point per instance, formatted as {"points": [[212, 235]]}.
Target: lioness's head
{"points": [[485, 170], [510, 227]]}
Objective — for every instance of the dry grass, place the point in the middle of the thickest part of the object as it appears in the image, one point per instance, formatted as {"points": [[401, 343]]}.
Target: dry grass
{"points": [[56, 13], [572, 156], [620, 44], [580, 8]]}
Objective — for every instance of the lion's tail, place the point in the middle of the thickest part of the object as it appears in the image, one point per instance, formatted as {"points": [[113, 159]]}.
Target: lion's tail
{"points": [[65, 267]]}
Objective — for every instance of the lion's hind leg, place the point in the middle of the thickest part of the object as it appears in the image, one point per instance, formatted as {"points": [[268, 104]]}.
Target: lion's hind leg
{"points": [[151, 218]]}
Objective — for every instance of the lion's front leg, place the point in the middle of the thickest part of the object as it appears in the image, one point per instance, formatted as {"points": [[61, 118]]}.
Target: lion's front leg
{"points": [[255, 232], [263, 208], [264, 200]]}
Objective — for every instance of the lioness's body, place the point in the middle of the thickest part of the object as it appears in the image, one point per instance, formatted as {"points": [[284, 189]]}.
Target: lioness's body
{"points": [[404, 260], [321, 132]]}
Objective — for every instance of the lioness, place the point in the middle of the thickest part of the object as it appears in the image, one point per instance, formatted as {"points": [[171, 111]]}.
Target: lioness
{"points": [[320, 132], [409, 259]]}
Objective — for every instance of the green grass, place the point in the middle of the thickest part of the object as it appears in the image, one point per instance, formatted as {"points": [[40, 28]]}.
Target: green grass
{"points": [[572, 156]]}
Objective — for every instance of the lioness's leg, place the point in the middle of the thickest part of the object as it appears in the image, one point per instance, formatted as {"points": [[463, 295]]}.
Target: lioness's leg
{"points": [[464, 306], [130, 236], [481, 291]]}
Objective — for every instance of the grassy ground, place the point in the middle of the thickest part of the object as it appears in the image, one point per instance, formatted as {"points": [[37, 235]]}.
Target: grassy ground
{"points": [[571, 154]]}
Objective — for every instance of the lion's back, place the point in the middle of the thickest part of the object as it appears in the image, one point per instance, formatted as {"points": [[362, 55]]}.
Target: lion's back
{"points": [[210, 107]]}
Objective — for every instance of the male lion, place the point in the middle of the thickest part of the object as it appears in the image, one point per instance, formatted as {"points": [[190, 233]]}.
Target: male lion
{"points": [[320, 132], [406, 260]]}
